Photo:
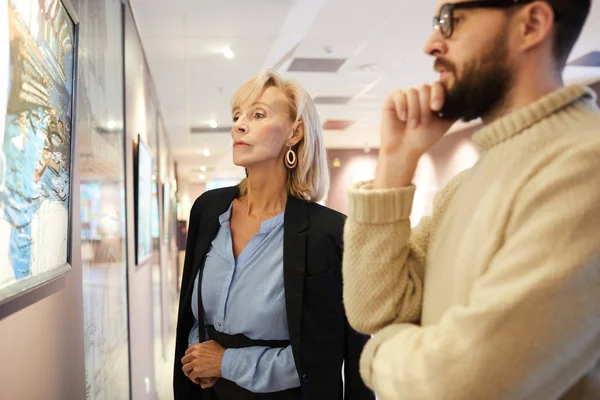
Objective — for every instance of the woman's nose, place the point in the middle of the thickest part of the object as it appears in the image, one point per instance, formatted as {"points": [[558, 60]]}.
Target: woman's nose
{"points": [[240, 126]]}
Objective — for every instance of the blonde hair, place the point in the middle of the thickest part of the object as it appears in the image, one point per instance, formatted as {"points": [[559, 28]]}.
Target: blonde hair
{"points": [[310, 179]]}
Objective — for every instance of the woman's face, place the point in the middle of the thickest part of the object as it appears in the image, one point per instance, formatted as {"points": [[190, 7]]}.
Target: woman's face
{"points": [[261, 130]]}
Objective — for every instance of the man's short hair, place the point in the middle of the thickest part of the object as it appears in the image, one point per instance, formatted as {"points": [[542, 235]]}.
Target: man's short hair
{"points": [[572, 15]]}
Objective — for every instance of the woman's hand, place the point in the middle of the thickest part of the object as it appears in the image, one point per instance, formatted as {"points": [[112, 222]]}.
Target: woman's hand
{"points": [[202, 362], [206, 383]]}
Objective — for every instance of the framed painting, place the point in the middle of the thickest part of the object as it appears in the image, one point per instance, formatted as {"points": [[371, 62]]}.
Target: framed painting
{"points": [[38, 75], [166, 211], [143, 202]]}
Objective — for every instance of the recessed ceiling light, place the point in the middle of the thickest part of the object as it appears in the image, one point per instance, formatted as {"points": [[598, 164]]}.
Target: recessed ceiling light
{"points": [[206, 152], [111, 124], [153, 177], [228, 53], [213, 124], [368, 67], [203, 168], [202, 177]]}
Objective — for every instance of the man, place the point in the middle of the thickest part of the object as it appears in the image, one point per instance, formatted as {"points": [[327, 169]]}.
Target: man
{"points": [[497, 294]]}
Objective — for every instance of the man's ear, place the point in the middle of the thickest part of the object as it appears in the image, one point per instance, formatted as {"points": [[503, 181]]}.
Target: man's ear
{"points": [[536, 23]]}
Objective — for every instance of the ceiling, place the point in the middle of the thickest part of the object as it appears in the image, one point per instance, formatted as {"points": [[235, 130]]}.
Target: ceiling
{"points": [[379, 43]]}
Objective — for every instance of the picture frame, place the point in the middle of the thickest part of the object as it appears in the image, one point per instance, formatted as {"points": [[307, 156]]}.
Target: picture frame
{"points": [[166, 204], [37, 144], [143, 184]]}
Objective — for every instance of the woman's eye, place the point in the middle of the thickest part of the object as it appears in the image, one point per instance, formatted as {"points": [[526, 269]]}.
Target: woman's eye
{"points": [[259, 115], [235, 119], [456, 20]]}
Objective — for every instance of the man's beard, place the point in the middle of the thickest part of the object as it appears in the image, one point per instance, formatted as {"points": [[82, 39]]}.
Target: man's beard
{"points": [[483, 86]]}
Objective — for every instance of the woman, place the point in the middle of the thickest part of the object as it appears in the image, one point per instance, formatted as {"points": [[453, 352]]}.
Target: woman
{"points": [[260, 313]]}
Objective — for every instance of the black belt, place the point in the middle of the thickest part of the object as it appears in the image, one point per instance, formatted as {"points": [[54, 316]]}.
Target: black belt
{"points": [[227, 390]]}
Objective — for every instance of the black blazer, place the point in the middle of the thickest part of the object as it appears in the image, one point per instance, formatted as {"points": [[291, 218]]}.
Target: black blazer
{"points": [[320, 335]]}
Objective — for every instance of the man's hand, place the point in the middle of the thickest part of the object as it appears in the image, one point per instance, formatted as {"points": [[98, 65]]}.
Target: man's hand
{"points": [[202, 362], [410, 126]]}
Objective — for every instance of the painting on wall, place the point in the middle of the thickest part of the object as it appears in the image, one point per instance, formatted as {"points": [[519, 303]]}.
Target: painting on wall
{"points": [[166, 211], [101, 167], [38, 56], [143, 187], [155, 211]]}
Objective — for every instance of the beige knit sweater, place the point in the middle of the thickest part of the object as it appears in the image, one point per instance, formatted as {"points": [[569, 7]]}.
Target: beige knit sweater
{"points": [[497, 295]]}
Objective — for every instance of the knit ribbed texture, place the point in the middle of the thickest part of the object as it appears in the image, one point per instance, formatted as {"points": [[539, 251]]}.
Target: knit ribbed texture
{"points": [[381, 206], [524, 118], [496, 295]]}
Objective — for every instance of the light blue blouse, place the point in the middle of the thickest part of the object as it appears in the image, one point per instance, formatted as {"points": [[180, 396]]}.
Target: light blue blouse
{"points": [[247, 296]]}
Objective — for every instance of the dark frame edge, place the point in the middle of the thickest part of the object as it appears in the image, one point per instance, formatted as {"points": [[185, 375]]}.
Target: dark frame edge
{"points": [[30, 284]]}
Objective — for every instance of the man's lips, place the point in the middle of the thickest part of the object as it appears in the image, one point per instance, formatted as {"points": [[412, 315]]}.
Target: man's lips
{"points": [[444, 73]]}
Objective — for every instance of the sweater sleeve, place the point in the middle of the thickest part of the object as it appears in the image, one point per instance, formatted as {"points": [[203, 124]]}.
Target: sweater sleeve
{"points": [[531, 325], [384, 260]]}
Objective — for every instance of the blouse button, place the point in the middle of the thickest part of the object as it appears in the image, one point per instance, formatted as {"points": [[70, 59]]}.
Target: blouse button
{"points": [[219, 324]]}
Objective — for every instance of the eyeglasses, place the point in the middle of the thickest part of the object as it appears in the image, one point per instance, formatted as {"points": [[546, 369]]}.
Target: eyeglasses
{"points": [[444, 22]]}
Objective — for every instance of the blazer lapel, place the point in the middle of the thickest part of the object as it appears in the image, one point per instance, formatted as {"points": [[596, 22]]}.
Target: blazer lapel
{"points": [[209, 226], [295, 226]]}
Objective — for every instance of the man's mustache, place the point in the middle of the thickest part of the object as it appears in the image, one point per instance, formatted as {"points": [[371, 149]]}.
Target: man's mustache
{"points": [[441, 63]]}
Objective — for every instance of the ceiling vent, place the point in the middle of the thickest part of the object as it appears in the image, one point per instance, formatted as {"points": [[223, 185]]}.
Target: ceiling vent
{"points": [[588, 60], [337, 124], [200, 130], [332, 99], [316, 64]]}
